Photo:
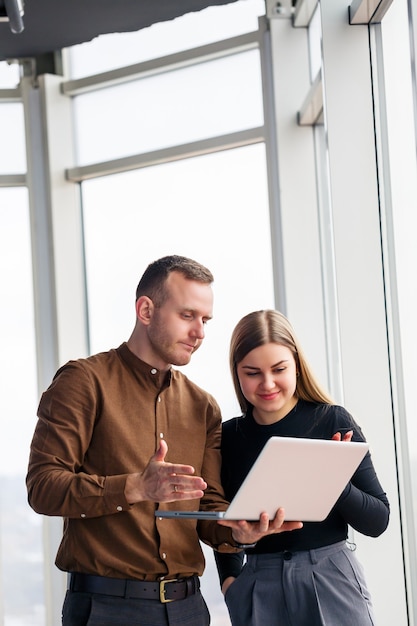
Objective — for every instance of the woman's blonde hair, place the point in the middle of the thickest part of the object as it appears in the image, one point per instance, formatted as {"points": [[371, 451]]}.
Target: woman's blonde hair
{"points": [[268, 326]]}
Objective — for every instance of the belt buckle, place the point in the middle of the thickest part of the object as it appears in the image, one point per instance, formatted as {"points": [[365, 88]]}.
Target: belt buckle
{"points": [[162, 590]]}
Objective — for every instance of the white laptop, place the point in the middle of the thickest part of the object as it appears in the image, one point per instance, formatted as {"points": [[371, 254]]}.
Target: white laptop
{"points": [[305, 476]]}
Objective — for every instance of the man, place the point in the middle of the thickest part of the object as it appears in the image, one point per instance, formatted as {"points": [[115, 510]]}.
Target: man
{"points": [[121, 434]]}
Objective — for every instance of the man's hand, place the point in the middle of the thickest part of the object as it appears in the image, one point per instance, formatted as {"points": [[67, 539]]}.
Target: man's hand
{"points": [[251, 532], [164, 482]]}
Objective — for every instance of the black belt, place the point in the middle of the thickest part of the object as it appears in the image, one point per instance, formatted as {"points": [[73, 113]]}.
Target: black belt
{"points": [[163, 590]]}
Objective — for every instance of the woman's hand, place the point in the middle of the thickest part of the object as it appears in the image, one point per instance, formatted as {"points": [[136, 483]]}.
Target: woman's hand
{"points": [[226, 584], [347, 436]]}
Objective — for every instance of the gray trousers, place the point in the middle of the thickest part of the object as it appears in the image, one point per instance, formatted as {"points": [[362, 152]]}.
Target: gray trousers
{"points": [[323, 587]]}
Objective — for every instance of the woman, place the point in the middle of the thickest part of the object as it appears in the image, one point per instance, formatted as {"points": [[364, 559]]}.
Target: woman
{"points": [[310, 576]]}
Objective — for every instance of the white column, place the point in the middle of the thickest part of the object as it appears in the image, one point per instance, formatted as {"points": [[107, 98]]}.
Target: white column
{"points": [[300, 236]]}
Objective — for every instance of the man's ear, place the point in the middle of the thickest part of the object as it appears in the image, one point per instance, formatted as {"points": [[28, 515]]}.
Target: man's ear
{"points": [[144, 309]]}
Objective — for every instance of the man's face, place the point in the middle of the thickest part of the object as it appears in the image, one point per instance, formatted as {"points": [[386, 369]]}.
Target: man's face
{"points": [[176, 329]]}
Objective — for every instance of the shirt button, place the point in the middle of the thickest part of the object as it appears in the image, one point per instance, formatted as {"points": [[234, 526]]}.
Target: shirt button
{"points": [[119, 508], [161, 435], [83, 515], [159, 398], [164, 556], [153, 371]]}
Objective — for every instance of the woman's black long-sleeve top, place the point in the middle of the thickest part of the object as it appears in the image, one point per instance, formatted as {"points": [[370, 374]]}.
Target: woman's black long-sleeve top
{"points": [[363, 504]]}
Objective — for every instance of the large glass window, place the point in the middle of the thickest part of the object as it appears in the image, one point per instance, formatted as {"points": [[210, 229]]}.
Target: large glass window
{"points": [[21, 557], [213, 208], [176, 107]]}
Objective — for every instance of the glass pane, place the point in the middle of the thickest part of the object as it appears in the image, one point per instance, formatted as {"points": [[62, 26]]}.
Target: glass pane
{"points": [[176, 107], [215, 23], [12, 145], [9, 75], [403, 167], [21, 556], [213, 209]]}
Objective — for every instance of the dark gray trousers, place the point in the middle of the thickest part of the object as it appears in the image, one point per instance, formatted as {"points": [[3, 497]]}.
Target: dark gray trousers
{"points": [[323, 587], [88, 609]]}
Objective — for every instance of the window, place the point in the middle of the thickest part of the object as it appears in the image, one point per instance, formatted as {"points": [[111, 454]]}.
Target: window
{"points": [[213, 208], [12, 132], [176, 107], [21, 554]]}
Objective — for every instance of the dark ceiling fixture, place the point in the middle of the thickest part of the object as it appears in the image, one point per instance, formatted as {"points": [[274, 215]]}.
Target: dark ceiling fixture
{"points": [[51, 25], [12, 11]]}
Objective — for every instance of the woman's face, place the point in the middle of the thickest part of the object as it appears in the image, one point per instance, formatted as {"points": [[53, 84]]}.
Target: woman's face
{"points": [[268, 377]]}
